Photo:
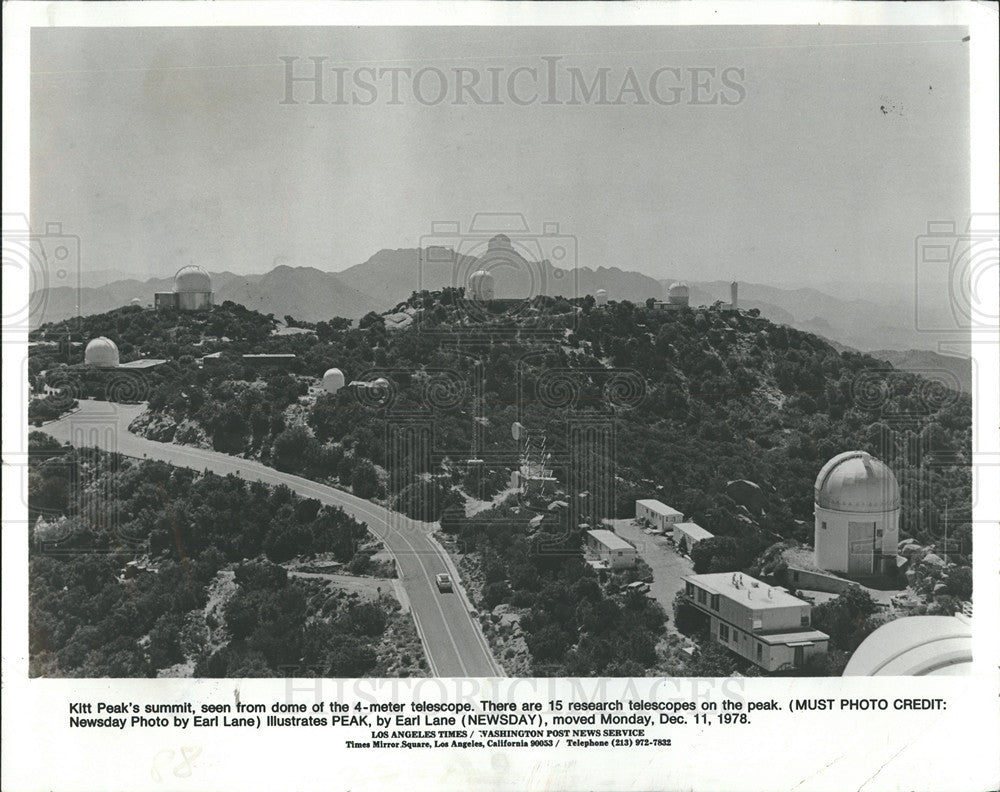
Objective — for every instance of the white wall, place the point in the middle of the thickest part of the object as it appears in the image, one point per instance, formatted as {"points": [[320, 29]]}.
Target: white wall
{"points": [[831, 543]]}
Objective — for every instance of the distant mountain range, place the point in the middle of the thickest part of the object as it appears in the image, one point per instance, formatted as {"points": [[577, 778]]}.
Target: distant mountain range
{"points": [[883, 322], [930, 365]]}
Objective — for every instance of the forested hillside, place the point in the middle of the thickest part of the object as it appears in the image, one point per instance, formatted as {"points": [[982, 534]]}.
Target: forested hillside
{"points": [[692, 400], [138, 569]]}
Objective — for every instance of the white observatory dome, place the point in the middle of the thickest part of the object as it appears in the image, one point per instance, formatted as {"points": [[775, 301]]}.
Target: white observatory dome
{"points": [[915, 646], [481, 285], [679, 289], [499, 242], [192, 279], [855, 481], [101, 351], [333, 380]]}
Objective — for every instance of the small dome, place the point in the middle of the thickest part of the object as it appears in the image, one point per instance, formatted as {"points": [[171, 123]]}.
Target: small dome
{"points": [[679, 289], [333, 380], [481, 285], [499, 242], [601, 293], [192, 279], [101, 351], [856, 481]]}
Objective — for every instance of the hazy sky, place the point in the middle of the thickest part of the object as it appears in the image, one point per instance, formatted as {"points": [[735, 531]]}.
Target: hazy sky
{"points": [[161, 147]]}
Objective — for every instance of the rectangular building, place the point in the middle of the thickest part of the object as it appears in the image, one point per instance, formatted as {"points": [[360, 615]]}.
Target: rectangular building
{"points": [[611, 549], [763, 624], [657, 514], [692, 532]]}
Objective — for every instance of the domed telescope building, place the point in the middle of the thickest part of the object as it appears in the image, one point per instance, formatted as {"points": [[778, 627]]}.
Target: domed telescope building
{"points": [[333, 380], [101, 352], [192, 291], [481, 285], [916, 646], [857, 516], [601, 297], [678, 296]]}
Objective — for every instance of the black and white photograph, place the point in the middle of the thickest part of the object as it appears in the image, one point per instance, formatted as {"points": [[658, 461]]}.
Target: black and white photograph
{"points": [[542, 351]]}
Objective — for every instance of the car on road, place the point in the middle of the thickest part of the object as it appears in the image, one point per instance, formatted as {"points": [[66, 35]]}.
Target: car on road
{"points": [[443, 582], [639, 587]]}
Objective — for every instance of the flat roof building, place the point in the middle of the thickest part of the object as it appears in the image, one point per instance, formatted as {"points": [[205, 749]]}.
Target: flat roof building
{"points": [[763, 624], [692, 532], [657, 514], [611, 549], [143, 363], [268, 358]]}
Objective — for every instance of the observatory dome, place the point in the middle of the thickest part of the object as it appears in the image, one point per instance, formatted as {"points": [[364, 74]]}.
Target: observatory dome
{"points": [[499, 242], [915, 646], [679, 289], [481, 285], [101, 351], [333, 380], [855, 481], [192, 279]]}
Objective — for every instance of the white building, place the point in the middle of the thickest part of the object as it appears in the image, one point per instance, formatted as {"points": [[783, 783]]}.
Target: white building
{"points": [[611, 549], [192, 291], [692, 533], [657, 514], [916, 646], [601, 297], [481, 285], [857, 516], [678, 296], [102, 352], [764, 624]]}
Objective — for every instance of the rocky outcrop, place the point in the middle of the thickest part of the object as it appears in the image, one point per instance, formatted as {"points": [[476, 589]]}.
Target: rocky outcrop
{"points": [[747, 494]]}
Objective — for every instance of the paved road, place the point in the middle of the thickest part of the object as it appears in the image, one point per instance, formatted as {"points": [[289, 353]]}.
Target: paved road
{"points": [[667, 565], [454, 645]]}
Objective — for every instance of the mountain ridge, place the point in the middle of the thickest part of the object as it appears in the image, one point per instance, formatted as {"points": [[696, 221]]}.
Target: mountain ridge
{"points": [[389, 276]]}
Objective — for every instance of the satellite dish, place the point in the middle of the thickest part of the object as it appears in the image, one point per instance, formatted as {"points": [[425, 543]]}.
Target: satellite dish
{"points": [[516, 430]]}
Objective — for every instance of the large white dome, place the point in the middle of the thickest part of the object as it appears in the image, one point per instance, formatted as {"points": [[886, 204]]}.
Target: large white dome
{"points": [[855, 481], [192, 279], [915, 646], [101, 351], [333, 380]]}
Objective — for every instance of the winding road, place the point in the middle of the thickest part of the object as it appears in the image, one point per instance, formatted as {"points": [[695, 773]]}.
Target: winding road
{"points": [[453, 642]]}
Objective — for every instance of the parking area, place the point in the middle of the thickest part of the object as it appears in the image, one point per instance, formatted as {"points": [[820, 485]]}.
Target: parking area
{"points": [[668, 567]]}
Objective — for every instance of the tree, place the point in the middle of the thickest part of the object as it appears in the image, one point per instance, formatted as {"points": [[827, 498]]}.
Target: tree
{"points": [[687, 618], [293, 448], [350, 658], [364, 480], [845, 619]]}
